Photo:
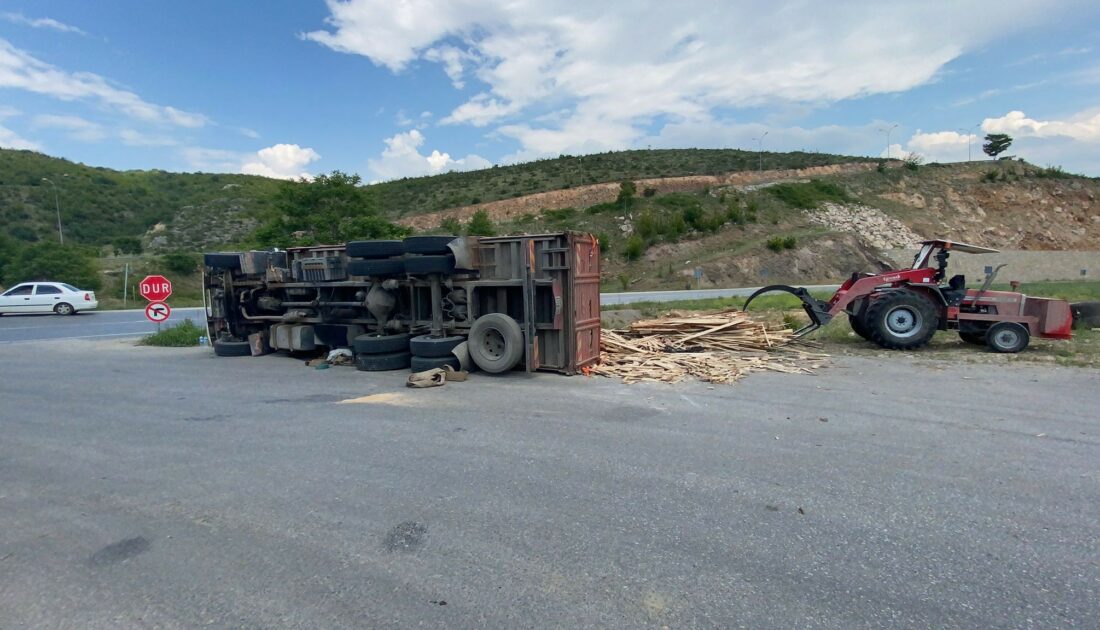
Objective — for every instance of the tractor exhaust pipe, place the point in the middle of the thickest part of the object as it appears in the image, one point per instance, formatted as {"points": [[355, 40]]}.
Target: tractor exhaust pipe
{"points": [[818, 310]]}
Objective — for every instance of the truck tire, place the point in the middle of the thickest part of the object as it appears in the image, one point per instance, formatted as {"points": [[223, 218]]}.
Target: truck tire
{"points": [[429, 347], [375, 249], [428, 244], [901, 320], [1007, 337], [381, 344], [419, 364], [232, 348], [382, 362], [430, 264], [1086, 314], [376, 267], [222, 261], [496, 343]]}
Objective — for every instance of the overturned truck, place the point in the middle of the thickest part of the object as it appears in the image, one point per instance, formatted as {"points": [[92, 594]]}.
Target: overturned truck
{"points": [[496, 303]]}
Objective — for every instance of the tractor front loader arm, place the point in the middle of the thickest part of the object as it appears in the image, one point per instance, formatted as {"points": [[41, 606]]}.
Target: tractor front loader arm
{"points": [[818, 310]]}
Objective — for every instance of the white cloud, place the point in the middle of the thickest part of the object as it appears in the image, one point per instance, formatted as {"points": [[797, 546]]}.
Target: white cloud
{"points": [[11, 140], [943, 146], [620, 66], [20, 70], [19, 18], [282, 161], [402, 158], [75, 126], [249, 133], [213, 160], [1084, 126], [133, 138]]}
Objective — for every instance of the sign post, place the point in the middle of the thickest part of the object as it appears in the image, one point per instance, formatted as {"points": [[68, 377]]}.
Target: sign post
{"points": [[156, 289]]}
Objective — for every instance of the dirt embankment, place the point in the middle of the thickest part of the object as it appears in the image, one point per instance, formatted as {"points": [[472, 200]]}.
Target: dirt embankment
{"points": [[584, 196]]}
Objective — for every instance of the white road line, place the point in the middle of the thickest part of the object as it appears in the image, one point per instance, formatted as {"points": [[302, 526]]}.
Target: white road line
{"points": [[14, 341]]}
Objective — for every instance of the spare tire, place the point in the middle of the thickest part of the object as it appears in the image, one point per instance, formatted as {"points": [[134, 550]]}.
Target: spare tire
{"points": [[419, 364], [222, 261], [496, 343], [232, 348], [1086, 314], [430, 347], [428, 244], [430, 264], [382, 362], [389, 267], [375, 249], [381, 344]]}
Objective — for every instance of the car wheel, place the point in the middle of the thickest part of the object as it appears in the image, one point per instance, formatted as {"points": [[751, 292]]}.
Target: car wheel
{"points": [[381, 344], [232, 348], [901, 320], [428, 244], [64, 308], [1007, 337], [427, 346], [419, 364], [496, 343], [382, 362]]}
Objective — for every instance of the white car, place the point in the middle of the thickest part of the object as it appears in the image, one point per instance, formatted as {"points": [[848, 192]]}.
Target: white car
{"points": [[46, 297]]}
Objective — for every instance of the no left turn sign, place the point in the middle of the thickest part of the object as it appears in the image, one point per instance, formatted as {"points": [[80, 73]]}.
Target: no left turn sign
{"points": [[157, 312]]}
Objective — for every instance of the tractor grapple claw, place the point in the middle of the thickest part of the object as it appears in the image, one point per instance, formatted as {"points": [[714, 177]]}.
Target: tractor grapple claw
{"points": [[818, 310]]}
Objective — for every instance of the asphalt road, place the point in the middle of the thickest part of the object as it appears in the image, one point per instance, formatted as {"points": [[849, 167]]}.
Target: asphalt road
{"points": [[149, 487], [86, 325], [105, 324]]}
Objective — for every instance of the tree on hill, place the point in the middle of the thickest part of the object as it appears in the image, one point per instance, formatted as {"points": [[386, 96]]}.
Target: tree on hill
{"points": [[52, 261], [480, 225], [331, 208], [996, 144]]}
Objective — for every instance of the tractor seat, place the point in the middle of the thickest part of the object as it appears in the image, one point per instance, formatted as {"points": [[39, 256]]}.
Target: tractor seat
{"points": [[957, 282]]}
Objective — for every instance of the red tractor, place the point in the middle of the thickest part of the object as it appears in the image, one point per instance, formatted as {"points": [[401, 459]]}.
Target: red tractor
{"points": [[902, 309]]}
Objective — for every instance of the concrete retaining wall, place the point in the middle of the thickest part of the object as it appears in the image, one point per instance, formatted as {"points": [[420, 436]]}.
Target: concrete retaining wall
{"points": [[1025, 266]]}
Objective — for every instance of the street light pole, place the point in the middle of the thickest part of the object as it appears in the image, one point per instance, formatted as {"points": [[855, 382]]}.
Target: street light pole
{"points": [[969, 138], [57, 206], [760, 149], [887, 132]]}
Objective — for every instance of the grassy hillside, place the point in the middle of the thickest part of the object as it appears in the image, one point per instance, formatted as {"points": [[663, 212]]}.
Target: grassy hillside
{"points": [[418, 195], [99, 205]]}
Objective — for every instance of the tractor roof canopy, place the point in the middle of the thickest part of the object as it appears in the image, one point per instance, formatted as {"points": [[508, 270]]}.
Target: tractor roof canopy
{"points": [[960, 247]]}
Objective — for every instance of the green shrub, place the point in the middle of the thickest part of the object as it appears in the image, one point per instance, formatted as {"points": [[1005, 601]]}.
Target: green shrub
{"points": [[626, 194], [809, 196], [450, 225], [881, 167], [179, 263], [789, 242], [480, 225], [600, 208], [635, 246], [181, 335], [646, 226], [649, 192], [624, 281], [604, 242], [126, 245], [563, 214], [1051, 172], [751, 209], [991, 175], [52, 261], [775, 243]]}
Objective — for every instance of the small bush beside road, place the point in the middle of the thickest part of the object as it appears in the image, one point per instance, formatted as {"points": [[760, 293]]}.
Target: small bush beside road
{"points": [[181, 335]]}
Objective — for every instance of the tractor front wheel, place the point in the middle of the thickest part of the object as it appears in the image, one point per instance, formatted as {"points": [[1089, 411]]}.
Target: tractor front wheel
{"points": [[1007, 337], [901, 320]]}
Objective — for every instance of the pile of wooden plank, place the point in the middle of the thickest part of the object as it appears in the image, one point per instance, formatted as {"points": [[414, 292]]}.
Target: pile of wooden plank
{"points": [[714, 347]]}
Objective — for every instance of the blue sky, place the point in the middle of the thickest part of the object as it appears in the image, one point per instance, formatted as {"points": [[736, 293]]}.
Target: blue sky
{"points": [[389, 88]]}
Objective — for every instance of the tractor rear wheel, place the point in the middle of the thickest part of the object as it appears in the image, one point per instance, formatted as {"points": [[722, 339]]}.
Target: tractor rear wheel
{"points": [[1007, 337], [901, 320]]}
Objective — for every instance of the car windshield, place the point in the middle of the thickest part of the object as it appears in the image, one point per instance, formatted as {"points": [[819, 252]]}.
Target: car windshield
{"points": [[70, 287]]}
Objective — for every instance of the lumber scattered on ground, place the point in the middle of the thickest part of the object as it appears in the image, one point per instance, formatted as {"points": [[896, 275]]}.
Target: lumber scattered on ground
{"points": [[714, 347]]}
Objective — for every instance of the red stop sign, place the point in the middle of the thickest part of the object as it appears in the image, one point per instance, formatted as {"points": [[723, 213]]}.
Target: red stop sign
{"points": [[155, 288]]}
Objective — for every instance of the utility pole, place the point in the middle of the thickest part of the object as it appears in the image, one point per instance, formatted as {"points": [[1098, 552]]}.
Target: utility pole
{"points": [[760, 149], [887, 132], [57, 206], [969, 137]]}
